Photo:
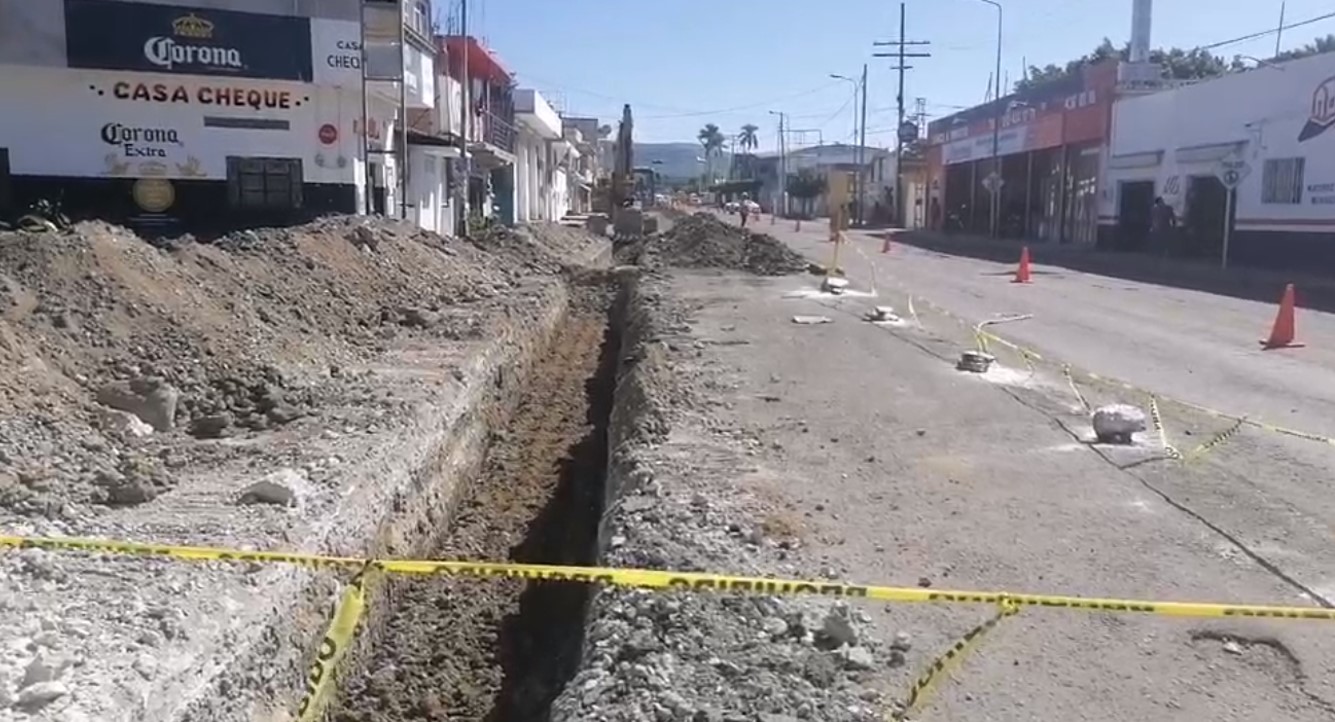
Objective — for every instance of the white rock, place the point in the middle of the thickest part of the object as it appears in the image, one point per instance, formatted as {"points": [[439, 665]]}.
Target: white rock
{"points": [[41, 694], [279, 488], [123, 422], [47, 666], [834, 285], [857, 658], [811, 320], [1117, 422]]}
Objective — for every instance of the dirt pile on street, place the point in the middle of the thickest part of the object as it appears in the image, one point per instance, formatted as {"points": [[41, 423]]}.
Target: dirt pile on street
{"points": [[114, 353], [704, 241]]}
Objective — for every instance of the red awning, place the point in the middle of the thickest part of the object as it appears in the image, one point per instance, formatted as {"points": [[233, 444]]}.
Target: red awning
{"points": [[482, 63]]}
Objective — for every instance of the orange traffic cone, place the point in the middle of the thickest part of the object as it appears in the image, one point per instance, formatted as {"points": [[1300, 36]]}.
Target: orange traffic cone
{"points": [[1022, 273], [1282, 333]]}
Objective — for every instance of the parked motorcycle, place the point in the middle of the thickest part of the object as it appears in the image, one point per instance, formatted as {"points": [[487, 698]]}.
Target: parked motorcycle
{"points": [[43, 216]]}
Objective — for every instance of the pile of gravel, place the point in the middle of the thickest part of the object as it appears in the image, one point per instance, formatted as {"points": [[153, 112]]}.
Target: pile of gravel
{"points": [[707, 657], [704, 241]]}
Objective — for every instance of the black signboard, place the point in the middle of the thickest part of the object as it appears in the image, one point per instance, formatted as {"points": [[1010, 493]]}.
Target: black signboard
{"points": [[191, 41]]}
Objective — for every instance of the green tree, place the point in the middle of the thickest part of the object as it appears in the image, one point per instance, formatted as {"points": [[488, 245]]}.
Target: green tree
{"points": [[1177, 64], [1316, 47], [711, 140], [747, 139], [806, 185]]}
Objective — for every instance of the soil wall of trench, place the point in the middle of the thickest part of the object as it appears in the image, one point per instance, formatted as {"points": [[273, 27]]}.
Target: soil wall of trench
{"points": [[551, 461]]}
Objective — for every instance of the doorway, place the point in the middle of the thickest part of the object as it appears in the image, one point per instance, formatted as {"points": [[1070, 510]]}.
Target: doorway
{"points": [[1203, 221], [6, 188], [1134, 201]]}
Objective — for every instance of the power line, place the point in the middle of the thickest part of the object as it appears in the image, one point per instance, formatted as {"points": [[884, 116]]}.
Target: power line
{"points": [[1264, 33]]}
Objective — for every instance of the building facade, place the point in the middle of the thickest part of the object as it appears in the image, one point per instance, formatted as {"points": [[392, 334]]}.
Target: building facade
{"points": [[211, 113], [1274, 125], [1050, 144], [542, 191]]}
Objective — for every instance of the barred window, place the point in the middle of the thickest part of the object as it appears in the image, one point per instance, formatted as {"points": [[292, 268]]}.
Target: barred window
{"points": [[1282, 181]]}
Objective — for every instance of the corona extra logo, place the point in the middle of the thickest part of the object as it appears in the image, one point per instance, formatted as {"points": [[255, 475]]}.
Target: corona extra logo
{"points": [[183, 47], [192, 26]]}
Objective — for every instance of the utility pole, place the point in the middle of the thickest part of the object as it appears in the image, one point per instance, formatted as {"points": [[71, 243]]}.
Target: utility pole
{"points": [[901, 55], [862, 153], [1279, 34], [781, 207], [465, 116]]}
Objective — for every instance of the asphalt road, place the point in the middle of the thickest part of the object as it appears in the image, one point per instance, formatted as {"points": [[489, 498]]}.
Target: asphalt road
{"points": [[1196, 346], [905, 471]]}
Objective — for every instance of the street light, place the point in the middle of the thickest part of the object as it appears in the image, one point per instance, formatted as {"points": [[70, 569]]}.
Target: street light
{"points": [[783, 167], [996, 128], [858, 154]]}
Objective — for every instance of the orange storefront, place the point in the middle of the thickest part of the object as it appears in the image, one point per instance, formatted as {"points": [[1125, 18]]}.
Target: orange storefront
{"points": [[1050, 144]]}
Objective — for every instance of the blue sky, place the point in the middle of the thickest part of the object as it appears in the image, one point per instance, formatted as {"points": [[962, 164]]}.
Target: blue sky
{"points": [[683, 63]]}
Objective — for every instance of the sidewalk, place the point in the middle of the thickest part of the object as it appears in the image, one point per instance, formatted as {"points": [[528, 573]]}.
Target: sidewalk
{"points": [[1256, 284]]}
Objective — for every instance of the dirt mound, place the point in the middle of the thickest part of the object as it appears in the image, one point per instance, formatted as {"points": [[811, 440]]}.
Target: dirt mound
{"points": [[704, 241], [113, 352]]}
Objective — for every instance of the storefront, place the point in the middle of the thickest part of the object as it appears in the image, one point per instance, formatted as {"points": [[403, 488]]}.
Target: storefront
{"points": [[1046, 155], [181, 117], [1274, 124]]}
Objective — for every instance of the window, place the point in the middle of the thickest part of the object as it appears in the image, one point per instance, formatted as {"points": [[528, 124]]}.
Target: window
{"points": [[1282, 181], [264, 183]]}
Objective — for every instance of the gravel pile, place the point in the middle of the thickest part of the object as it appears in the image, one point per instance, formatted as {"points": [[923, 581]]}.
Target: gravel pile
{"points": [[654, 655], [703, 241]]}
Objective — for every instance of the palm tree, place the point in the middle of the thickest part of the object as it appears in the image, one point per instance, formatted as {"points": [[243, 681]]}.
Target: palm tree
{"points": [[747, 139], [711, 139]]}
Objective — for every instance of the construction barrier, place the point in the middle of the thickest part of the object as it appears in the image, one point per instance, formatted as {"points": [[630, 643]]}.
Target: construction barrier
{"points": [[673, 580], [351, 607], [941, 666]]}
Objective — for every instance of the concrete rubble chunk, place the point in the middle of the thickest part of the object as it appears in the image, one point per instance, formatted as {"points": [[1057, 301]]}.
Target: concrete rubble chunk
{"points": [[1115, 423], [811, 320], [123, 423], [835, 285], [149, 398], [41, 694], [279, 488], [857, 658], [977, 362], [47, 666], [837, 627], [882, 314]]}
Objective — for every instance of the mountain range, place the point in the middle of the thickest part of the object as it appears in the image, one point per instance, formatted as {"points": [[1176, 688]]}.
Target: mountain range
{"points": [[677, 161]]}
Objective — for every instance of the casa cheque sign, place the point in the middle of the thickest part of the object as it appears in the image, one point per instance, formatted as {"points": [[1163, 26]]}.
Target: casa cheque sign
{"points": [[191, 41]]}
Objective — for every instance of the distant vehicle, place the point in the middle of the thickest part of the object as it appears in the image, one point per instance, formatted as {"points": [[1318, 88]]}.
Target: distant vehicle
{"points": [[732, 207], [752, 208]]}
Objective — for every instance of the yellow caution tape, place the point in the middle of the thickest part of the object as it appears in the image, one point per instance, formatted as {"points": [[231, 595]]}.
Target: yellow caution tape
{"points": [[927, 681], [334, 646], [1070, 381], [1168, 448], [1219, 438], [683, 581]]}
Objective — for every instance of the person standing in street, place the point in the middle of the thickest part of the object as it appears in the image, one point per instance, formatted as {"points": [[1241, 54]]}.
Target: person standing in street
{"points": [[1163, 222], [744, 208]]}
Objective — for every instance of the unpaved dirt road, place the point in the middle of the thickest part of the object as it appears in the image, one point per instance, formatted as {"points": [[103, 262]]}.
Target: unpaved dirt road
{"points": [[911, 472]]}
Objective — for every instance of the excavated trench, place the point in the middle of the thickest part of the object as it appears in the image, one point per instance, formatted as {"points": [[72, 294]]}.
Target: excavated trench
{"points": [[444, 648]]}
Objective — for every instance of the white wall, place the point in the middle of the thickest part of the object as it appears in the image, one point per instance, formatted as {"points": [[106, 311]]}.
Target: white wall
{"points": [[90, 123], [1263, 112]]}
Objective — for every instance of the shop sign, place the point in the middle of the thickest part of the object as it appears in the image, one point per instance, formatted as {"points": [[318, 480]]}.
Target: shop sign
{"points": [[336, 49], [231, 95], [1322, 116], [193, 41]]}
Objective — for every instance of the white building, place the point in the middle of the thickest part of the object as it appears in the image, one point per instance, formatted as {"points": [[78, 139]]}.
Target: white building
{"points": [[167, 116], [1275, 125], [540, 195]]}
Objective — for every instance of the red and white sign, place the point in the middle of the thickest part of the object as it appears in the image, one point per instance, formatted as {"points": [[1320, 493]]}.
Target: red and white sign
{"points": [[328, 134]]}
